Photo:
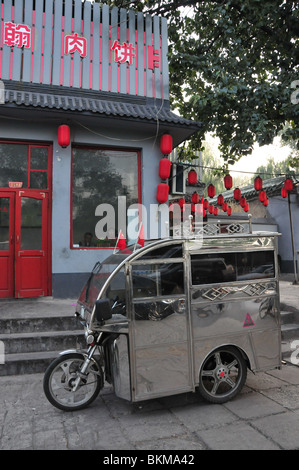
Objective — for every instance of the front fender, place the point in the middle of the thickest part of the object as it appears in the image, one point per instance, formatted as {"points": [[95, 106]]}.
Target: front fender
{"points": [[85, 355]]}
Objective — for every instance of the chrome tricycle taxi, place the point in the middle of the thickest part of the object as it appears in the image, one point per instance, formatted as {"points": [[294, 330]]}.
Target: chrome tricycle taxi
{"points": [[175, 316]]}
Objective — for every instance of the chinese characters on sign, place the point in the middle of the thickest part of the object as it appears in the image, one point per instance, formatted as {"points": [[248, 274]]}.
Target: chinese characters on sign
{"points": [[20, 35], [123, 52], [17, 35], [73, 43]]}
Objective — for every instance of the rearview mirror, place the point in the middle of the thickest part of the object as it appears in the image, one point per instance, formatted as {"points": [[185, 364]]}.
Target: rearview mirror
{"points": [[103, 310]]}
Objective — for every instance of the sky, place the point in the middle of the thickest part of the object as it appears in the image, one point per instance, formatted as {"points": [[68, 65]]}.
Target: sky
{"points": [[259, 156]]}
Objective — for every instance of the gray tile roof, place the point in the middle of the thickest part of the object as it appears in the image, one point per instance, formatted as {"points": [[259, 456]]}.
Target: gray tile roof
{"points": [[109, 104], [272, 187]]}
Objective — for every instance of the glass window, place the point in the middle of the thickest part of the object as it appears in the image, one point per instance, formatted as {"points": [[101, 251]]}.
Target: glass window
{"points": [[255, 265], [100, 177], [228, 267], [211, 268], [31, 224], [13, 164], [4, 223], [169, 251], [38, 158], [158, 279]]}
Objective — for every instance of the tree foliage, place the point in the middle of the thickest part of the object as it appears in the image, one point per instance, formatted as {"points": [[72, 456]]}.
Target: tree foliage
{"points": [[233, 66]]}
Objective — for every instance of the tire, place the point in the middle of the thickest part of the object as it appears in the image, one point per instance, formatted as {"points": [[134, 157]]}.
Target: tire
{"points": [[60, 376], [222, 375]]}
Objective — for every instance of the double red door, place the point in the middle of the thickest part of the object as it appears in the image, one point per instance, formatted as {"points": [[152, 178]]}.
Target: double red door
{"points": [[24, 240]]}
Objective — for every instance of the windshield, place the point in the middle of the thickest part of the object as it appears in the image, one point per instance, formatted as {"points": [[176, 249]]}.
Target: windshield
{"points": [[99, 276]]}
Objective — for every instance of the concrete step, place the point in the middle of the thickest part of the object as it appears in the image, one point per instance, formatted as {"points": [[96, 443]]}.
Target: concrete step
{"points": [[31, 343], [27, 363], [16, 343], [34, 324]]}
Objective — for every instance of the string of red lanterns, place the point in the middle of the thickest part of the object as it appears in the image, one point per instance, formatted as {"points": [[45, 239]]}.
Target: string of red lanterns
{"points": [[166, 146]]}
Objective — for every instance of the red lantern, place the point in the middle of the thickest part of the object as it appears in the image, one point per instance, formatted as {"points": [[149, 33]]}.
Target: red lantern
{"points": [[162, 193], [195, 198], [229, 210], [64, 136], [211, 190], [288, 184], [284, 192], [211, 209], [220, 200], [215, 210], [246, 207], [224, 206], [192, 177], [266, 202], [205, 204], [237, 194], [228, 182], [204, 212], [258, 183], [243, 202], [182, 202], [166, 144], [164, 168], [262, 195]]}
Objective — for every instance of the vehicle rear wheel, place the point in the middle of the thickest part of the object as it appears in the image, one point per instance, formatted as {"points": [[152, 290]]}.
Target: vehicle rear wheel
{"points": [[61, 376], [222, 375]]}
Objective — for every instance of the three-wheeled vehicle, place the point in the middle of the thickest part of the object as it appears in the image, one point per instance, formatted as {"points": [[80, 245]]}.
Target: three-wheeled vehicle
{"points": [[177, 315]]}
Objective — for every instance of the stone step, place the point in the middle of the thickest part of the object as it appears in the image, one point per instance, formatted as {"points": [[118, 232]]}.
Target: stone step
{"points": [[17, 343], [35, 324], [27, 363]]}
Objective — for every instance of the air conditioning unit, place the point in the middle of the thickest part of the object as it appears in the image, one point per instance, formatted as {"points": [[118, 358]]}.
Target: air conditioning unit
{"points": [[178, 178]]}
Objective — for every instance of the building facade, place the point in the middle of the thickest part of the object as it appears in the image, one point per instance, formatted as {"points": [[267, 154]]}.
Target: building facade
{"points": [[84, 103]]}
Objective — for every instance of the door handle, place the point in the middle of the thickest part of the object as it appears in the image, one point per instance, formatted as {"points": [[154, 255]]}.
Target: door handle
{"points": [[17, 239]]}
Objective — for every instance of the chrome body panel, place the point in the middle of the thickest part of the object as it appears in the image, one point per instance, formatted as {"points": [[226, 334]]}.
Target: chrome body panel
{"points": [[165, 338]]}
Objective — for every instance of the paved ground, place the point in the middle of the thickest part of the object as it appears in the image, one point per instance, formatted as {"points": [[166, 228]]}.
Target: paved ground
{"points": [[264, 416]]}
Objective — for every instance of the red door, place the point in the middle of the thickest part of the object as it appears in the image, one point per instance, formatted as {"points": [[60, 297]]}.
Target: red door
{"points": [[24, 261], [31, 247], [7, 205]]}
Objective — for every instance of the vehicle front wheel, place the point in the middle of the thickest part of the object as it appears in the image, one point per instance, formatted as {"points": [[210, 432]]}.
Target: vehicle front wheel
{"points": [[61, 376], [222, 375]]}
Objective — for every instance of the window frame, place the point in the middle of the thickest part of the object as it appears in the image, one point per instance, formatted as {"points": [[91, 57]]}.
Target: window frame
{"points": [[31, 144], [139, 190]]}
